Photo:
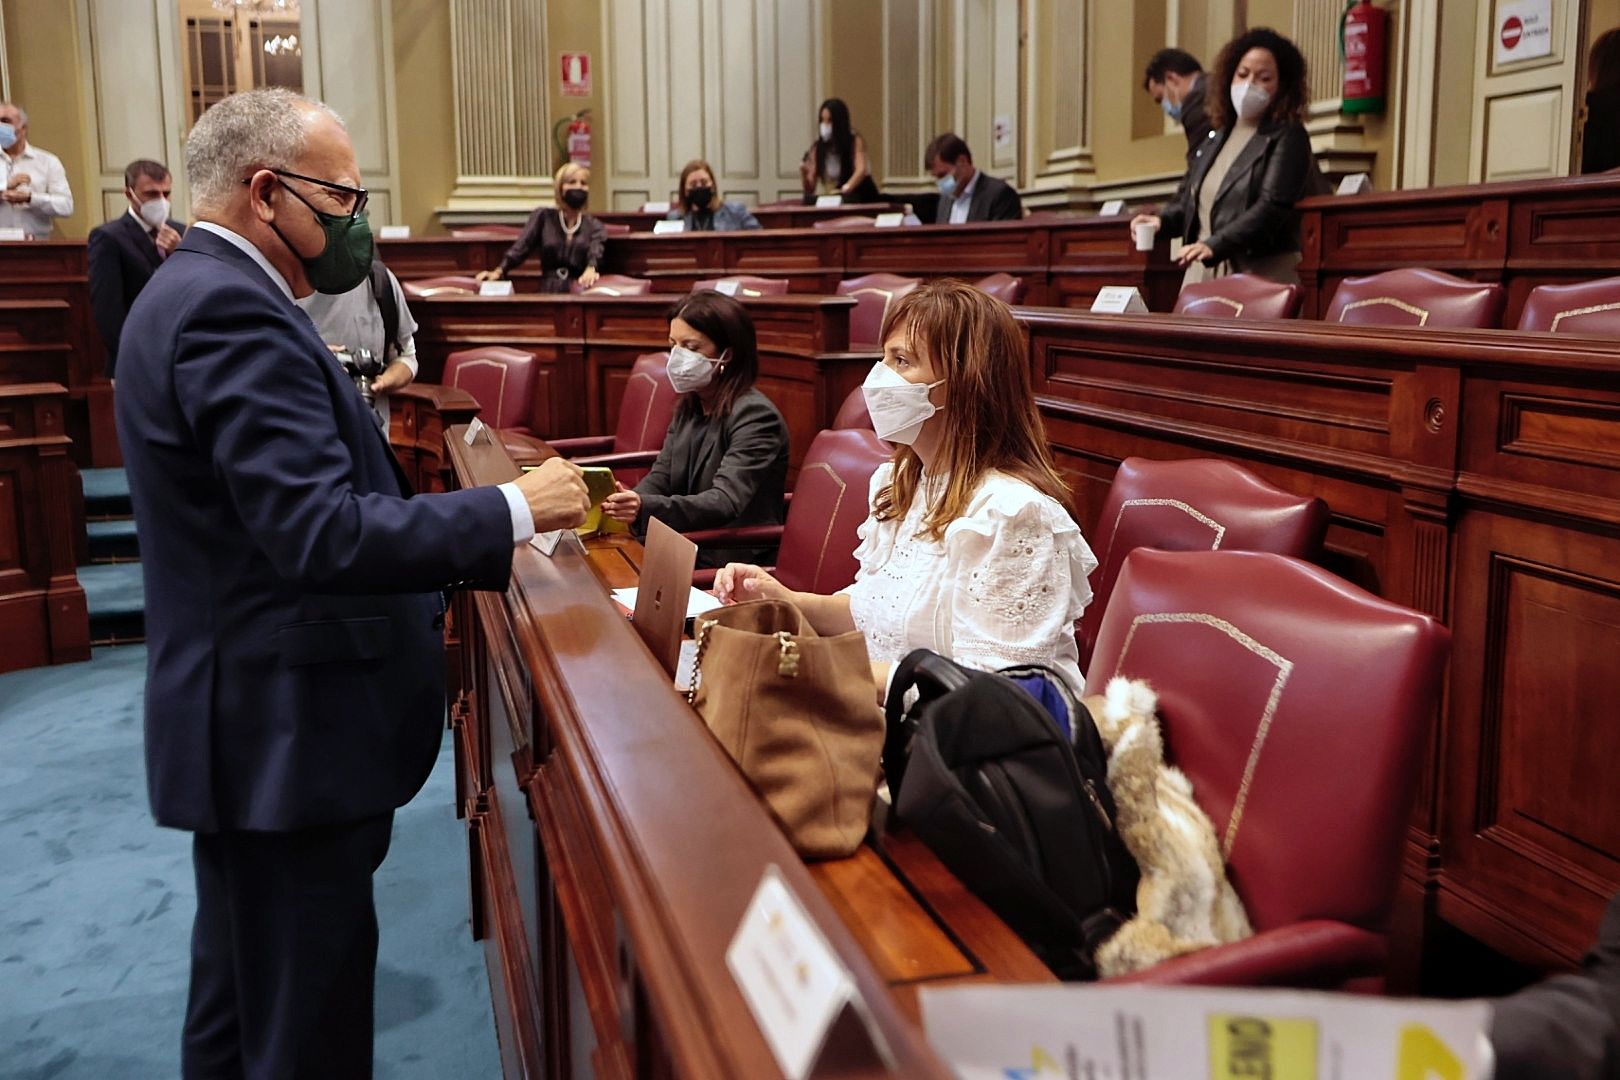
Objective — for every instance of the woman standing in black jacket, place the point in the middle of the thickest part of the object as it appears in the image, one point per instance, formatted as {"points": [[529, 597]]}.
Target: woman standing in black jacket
{"points": [[1237, 211]]}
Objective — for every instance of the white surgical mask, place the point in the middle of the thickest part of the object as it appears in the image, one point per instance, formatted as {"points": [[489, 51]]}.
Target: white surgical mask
{"points": [[690, 370], [154, 212], [898, 408], [1249, 100], [826, 132]]}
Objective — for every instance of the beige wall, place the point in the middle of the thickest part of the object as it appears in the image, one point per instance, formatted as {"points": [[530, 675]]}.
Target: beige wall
{"points": [[853, 69], [422, 93], [42, 55]]}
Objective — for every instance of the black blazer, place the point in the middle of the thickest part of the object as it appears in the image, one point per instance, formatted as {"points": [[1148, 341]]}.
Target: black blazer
{"points": [[1195, 119], [993, 200], [715, 474], [1254, 211], [295, 650], [122, 260]]}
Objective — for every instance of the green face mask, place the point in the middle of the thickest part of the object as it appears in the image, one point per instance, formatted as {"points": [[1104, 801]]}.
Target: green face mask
{"points": [[345, 261]]}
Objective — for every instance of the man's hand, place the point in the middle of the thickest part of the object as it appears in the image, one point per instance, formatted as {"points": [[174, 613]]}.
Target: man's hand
{"points": [[19, 180], [556, 495], [396, 376], [166, 239]]}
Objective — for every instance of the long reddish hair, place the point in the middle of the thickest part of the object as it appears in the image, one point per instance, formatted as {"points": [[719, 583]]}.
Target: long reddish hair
{"points": [[991, 421]]}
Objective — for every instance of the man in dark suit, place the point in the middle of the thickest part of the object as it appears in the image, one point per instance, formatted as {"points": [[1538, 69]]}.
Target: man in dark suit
{"points": [[126, 251], [1568, 1027], [965, 193], [1175, 81], [295, 676]]}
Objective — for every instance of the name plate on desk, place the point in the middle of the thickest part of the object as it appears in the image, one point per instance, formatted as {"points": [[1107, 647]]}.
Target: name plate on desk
{"points": [[394, 232], [494, 288], [794, 983], [1355, 184], [1112, 208], [824, 201], [662, 227], [890, 221], [12, 232], [1119, 300], [473, 430], [655, 207]]}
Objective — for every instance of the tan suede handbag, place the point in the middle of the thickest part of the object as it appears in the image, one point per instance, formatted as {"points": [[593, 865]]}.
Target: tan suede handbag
{"points": [[799, 715]]}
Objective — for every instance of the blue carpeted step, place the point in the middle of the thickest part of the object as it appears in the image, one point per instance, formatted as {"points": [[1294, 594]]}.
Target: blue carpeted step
{"points": [[113, 541], [116, 598], [106, 493]]}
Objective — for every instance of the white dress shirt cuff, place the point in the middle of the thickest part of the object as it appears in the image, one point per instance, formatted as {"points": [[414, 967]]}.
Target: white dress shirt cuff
{"points": [[522, 520]]}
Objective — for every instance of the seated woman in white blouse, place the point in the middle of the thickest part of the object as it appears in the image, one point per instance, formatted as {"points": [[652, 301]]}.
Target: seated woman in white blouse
{"points": [[970, 548]]}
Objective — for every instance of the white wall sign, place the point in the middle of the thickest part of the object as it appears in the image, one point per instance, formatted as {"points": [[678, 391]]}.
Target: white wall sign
{"points": [[1003, 127], [1523, 30]]}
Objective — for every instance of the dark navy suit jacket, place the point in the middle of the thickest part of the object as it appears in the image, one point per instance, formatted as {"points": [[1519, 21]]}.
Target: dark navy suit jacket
{"points": [[295, 672], [122, 258]]}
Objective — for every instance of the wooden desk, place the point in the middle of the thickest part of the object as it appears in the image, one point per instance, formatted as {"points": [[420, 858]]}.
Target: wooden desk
{"points": [[1522, 234], [1471, 475], [614, 848], [769, 217], [43, 619]]}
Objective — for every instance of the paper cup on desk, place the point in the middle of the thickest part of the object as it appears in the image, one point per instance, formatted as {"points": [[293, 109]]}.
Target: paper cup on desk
{"points": [[1144, 233]]}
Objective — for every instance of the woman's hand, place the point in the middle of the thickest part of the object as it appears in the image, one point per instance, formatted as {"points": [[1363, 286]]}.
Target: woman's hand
{"points": [[807, 169], [1194, 253], [623, 505], [1147, 219], [737, 582], [489, 275], [588, 278]]}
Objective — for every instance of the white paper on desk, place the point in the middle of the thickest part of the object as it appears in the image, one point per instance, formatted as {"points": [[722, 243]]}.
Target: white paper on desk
{"points": [[13, 232], [824, 201], [697, 602], [1190, 1033], [890, 220], [393, 232]]}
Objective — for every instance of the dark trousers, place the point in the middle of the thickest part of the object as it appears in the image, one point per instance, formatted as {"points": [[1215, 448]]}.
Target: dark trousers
{"points": [[284, 953]]}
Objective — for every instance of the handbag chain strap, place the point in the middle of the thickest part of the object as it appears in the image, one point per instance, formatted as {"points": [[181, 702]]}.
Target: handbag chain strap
{"points": [[787, 658], [697, 662]]}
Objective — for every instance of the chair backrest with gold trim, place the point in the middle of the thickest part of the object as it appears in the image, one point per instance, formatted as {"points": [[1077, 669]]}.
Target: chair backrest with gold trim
{"points": [[1240, 296], [502, 381], [1413, 297], [1589, 308], [872, 293], [829, 503]]}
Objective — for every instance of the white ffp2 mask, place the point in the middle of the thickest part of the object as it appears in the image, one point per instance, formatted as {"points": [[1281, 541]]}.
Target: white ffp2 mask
{"points": [[690, 370], [898, 408], [155, 212], [1249, 100]]}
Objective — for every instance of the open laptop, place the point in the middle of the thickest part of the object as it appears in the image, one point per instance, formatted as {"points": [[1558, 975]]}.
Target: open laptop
{"points": [[667, 561]]}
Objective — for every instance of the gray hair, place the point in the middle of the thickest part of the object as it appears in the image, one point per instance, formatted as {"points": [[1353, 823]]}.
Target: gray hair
{"points": [[22, 113], [254, 129]]}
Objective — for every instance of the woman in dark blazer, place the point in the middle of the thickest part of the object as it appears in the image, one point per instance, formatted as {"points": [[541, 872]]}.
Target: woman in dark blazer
{"points": [[570, 241], [725, 458], [1236, 211]]}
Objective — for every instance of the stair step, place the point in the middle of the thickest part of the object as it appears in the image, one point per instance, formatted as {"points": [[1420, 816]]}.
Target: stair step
{"points": [[113, 541], [106, 492], [116, 599]]}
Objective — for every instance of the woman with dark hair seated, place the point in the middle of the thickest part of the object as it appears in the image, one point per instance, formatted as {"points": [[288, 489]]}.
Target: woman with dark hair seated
{"points": [[836, 163], [725, 458], [701, 207], [1236, 211]]}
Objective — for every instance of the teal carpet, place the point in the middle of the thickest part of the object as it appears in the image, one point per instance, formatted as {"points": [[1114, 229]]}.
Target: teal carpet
{"points": [[96, 901]]}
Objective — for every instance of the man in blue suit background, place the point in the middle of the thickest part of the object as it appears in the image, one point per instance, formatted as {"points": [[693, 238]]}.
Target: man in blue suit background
{"points": [[295, 680]]}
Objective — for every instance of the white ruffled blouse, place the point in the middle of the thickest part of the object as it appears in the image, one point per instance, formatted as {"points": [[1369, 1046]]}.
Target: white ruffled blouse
{"points": [[1004, 587]]}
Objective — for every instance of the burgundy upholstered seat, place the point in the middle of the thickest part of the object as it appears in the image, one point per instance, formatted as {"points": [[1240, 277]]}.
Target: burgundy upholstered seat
{"points": [[852, 413], [1004, 287], [1410, 297], [645, 412], [1298, 706], [448, 285], [873, 293], [502, 381], [1589, 308], [818, 540], [1199, 504], [614, 285], [847, 221], [487, 232], [1240, 296], [746, 285]]}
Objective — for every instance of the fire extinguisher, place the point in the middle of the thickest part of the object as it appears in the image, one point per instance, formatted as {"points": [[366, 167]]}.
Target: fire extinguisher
{"points": [[1363, 42], [572, 134]]}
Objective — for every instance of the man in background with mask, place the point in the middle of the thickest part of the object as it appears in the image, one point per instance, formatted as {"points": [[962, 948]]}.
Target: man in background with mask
{"points": [[1175, 81], [126, 251], [294, 606], [965, 193], [33, 185]]}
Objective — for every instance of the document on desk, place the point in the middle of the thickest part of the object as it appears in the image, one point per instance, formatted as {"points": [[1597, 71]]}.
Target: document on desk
{"points": [[1191, 1033], [697, 603]]}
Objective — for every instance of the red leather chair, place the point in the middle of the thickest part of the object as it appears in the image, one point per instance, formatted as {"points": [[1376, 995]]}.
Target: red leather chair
{"points": [[852, 413], [817, 552], [1298, 706], [1589, 308], [1004, 287], [746, 285], [616, 228], [847, 221], [1409, 297], [1240, 296], [1200, 504], [488, 232], [502, 381], [450, 285], [645, 411], [873, 293], [614, 285]]}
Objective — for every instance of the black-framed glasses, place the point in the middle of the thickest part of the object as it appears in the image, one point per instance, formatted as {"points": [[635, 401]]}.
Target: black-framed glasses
{"points": [[359, 195]]}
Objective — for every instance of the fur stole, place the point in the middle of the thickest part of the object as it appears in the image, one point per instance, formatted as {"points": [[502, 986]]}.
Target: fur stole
{"points": [[1184, 902]]}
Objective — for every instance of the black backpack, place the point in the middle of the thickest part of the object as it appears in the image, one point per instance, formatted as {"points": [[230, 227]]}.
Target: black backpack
{"points": [[382, 290], [984, 775]]}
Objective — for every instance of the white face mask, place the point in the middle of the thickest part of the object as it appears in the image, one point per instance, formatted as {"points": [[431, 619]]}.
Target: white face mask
{"points": [[154, 212], [898, 408], [690, 370], [826, 132], [1249, 100]]}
